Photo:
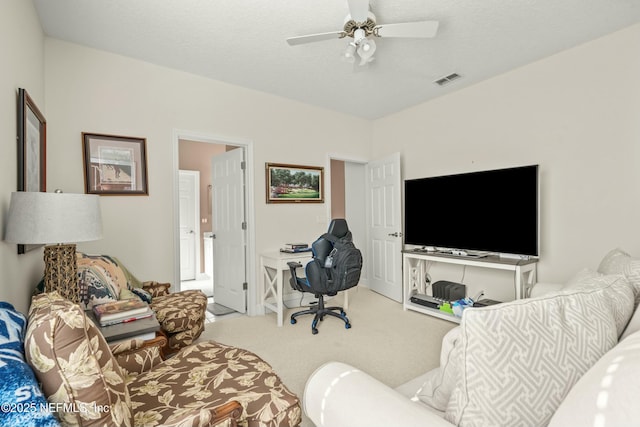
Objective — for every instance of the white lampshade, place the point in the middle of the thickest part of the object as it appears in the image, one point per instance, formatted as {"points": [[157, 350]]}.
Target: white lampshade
{"points": [[51, 218]]}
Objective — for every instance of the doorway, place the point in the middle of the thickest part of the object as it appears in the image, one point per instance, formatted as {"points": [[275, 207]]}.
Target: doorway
{"points": [[347, 189], [195, 152], [368, 195]]}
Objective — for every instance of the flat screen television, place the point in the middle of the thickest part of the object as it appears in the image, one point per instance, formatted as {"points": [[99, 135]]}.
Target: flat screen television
{"points": [[493, 211]]}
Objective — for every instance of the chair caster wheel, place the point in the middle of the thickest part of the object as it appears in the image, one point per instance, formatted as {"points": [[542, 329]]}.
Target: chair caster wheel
{"points": [[314, 331], [294, 321], [347, 325]]}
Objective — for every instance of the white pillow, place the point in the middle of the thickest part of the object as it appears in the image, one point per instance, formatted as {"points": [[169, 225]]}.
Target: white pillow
{"points": [[440, 382], [618, 261], [620, 293], [579, 277], [520, 359]]}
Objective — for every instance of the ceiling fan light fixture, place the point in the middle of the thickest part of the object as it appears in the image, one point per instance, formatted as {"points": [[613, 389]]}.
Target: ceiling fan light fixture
{"points": [[366, 49], [349, 54]]}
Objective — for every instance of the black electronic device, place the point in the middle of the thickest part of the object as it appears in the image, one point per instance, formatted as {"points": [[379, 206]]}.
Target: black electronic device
{"points": [[439, 289], [486, 302], [448, 291], [425, 300], [457, 291], [491, 211]]}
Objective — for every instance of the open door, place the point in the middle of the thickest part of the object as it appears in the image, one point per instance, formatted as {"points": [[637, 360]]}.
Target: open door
{"points": [[189, 227], [229, 230], [384, 224]]}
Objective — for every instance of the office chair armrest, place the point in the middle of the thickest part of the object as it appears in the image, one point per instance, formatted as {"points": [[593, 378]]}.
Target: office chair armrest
{"points": [[338, 394], [293, 266]]}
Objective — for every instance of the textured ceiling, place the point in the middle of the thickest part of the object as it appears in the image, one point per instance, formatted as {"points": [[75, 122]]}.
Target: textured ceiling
{"points": [[243, 42]]}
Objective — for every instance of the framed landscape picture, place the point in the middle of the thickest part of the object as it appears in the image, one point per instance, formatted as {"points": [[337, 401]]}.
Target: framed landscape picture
{"points": [[114, 165], [32, 150], [294, 183]]}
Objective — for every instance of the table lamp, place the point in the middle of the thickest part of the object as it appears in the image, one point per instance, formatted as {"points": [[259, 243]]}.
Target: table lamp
{"points": [[58, 220]]}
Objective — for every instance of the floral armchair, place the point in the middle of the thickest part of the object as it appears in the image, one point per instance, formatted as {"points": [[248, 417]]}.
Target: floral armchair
{"points": [[181, 315], [205, 384]]}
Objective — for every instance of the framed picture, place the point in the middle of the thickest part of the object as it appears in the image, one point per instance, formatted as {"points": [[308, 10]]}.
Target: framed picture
{"points": [[32, 150], [294, 183], [114, 165]]}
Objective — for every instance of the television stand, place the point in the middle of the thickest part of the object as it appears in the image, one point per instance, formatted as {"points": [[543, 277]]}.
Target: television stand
{"points": [[416, 265]]}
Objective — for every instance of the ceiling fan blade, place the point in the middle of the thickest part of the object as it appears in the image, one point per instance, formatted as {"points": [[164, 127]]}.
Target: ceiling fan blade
{"points": [[421, 29], [310, 38], [359, 10]]}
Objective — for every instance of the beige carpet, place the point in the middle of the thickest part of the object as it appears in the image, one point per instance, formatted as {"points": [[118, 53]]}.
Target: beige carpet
{"points": [[385, 341]]}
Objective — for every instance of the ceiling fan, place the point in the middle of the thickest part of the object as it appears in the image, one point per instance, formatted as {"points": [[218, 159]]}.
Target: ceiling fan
{"points": [[361, 26]]}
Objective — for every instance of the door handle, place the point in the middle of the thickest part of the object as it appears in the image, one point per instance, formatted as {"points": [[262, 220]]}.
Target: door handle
{"points": [[396, 234]]}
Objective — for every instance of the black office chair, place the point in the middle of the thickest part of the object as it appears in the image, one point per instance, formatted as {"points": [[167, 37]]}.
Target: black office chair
{"points": [[335, 267]]}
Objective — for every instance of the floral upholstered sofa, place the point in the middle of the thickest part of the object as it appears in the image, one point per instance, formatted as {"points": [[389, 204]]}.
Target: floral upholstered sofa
{"points": [[181, 315], [205, 384]]}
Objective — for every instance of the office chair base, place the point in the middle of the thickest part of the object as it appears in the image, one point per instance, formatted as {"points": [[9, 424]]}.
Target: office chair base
{"points": [[320, 311]]}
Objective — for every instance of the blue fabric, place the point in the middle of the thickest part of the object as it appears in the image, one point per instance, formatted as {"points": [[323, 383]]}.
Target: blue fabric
{"points": [[21, 401], [142, 294]]}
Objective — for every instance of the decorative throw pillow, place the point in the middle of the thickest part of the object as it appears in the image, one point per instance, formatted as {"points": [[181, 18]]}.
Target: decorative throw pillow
{"points": [[618, 261], [579, 277], [620, 293], [72, 360], [613, 262], [23, 402], [440, 382], [520, 359], [102, 278]]}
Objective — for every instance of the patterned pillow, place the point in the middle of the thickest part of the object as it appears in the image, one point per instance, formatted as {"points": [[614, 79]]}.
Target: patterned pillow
{"points": [[100, 279], [73, 362], [520, 359], [620, 293], [618, 261], [19, 388], [440, 382]]}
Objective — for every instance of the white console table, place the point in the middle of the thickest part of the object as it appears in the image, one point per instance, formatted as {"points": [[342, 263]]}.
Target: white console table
{"points": [[416, 265]]}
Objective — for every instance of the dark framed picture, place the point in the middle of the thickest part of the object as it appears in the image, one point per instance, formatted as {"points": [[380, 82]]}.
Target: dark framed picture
{"points": [[114, 165], [32, 149], [294, 183]]}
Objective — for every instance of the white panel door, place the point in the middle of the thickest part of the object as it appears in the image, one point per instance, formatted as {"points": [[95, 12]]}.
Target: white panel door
{"points": [[189, 196], [384, 223], [229, 234]]}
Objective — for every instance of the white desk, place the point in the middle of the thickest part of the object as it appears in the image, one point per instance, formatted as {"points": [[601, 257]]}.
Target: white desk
{"points": [[273, 266]]}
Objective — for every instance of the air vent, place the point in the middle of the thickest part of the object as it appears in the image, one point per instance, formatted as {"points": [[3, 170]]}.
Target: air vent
{"points": [[447, 79]]}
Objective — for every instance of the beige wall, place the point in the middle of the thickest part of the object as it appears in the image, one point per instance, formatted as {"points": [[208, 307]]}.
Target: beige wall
{"points": [[95, 91], [22, 53], [577, 114]]}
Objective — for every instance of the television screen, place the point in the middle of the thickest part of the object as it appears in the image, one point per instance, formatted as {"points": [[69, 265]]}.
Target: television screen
{"points": [[490, 211]]}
